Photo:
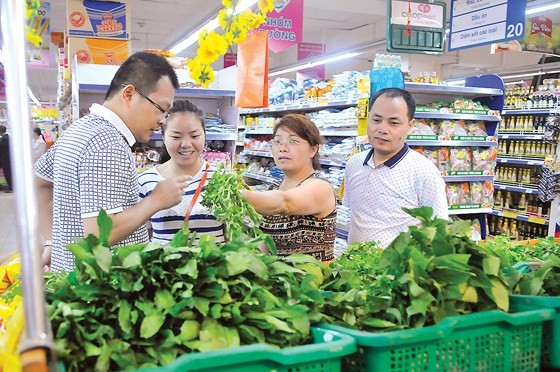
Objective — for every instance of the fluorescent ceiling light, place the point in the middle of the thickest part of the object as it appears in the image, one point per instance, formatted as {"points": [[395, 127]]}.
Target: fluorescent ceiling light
{"points": [[541, 9], [209, 26], [323, 61], [514, 82], [32, 96], [456, 82]]}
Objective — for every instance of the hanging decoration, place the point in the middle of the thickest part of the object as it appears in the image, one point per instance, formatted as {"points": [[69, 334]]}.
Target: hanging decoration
{"points": [[233, 30], [408, 27], [31, 34]]}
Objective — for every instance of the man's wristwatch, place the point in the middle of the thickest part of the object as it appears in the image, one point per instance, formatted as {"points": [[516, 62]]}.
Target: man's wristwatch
{"points": [[47, 243]]}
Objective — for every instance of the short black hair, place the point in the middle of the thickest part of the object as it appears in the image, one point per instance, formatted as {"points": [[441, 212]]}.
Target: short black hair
{"points": [[184, 105], [2, 129], [143, 70], [397, 93]]}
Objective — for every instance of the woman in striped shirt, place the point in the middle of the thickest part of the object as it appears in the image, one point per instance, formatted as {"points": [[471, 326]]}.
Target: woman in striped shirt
{"points": [[184, 137]]}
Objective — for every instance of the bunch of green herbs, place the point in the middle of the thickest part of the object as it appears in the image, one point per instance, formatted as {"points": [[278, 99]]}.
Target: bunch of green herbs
{"points": [[222, 197], [144, 305], [544, 281], [428, 273]]}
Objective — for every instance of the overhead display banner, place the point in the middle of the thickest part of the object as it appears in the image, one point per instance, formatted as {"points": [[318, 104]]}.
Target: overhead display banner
{"points": [[284, 24], [541, 35], [104, 19], [40, 23], [480, 22], [420, 31], [307, 51]]}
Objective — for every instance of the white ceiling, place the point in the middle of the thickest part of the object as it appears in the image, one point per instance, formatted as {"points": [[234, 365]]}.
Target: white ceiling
{"points": [[340, 24]]}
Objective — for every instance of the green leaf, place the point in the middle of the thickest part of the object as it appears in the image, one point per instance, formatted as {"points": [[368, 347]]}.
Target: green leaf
{"points": [[164, 299], [151, 324], [424, 213], [377, 323], [124, 316], [501, 295], [105, 224], [189, 269], [491, 265], [132, 260], [189, 330], [104, 257], [470, 295], [313, 270]]}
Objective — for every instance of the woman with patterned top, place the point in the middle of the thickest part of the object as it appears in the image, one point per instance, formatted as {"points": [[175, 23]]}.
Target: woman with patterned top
{"points": [[300, 214], [184, 138]]}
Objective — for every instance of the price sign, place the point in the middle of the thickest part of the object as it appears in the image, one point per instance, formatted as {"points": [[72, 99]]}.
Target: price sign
{"points": [[479, 22]]}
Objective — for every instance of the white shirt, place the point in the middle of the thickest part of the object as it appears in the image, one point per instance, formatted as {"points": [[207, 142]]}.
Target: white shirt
{"points": [[376, 195]]}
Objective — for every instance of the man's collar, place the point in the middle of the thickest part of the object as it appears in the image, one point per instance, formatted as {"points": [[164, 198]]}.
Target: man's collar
{"points": [[114, 119], [393, 161]]}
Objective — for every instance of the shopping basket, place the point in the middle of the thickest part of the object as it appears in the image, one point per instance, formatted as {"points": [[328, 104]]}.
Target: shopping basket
{"points": [[485, 341]]}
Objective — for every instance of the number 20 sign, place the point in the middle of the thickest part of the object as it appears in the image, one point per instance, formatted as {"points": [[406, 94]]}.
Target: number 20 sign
{"points": [[479, 22]]}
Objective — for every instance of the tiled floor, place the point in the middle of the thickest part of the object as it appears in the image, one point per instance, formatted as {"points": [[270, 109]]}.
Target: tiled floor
{"points": [[7, 223]]}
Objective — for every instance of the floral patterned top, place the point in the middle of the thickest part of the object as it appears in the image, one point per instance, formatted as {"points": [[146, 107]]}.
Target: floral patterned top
{"points": [[302, 234]]}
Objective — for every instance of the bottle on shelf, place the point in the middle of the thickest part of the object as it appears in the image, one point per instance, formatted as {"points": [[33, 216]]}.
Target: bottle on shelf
{"points": [[508, 203], [498, 201], [513, 233], [522, 206]]}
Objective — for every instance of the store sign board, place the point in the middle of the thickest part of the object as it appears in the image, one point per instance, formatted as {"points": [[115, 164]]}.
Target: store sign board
{"points": [[284, 24], [307, 51], [421, 32], [87, 18], [541, 35], [480, 22], [40, 23]]}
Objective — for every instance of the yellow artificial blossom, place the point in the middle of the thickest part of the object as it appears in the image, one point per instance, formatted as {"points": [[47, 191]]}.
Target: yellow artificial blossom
{"points": [[234, 29]]}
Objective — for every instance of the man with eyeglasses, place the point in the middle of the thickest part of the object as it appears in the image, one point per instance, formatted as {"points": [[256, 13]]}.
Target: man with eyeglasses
{"points": [[91, 167]]}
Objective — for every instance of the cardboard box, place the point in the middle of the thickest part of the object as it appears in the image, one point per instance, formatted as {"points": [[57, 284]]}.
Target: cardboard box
{"points": [[98, 51], [108, 20]]}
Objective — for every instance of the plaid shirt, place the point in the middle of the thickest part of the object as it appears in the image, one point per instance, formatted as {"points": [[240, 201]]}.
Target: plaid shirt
{"points": [[92, 168]]}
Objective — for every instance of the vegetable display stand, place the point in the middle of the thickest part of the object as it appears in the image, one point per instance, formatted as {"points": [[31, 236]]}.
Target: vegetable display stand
{"points": [[324, 355], [486, 341], [551, 332]]}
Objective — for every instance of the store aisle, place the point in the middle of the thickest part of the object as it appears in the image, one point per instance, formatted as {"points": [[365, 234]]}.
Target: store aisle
{"points": [[7, 223]]}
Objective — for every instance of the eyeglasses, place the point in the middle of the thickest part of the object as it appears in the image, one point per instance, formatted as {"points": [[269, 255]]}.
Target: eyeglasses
{"points": [[163, 112], [289, 143]]}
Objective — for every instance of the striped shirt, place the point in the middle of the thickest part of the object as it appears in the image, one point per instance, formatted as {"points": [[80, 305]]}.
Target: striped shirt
{"points": [[92, 168], [166, 223]]}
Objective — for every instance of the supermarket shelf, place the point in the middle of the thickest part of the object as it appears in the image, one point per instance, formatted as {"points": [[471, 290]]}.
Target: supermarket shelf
{"points": [[529, 112], [330, 133], [264, 154], [519, 161], [473, 178], [523, 190], [455, 91], [470, 211], [330, 163], [520, 136], [439, 115], [182, 92], [262, 178], [210, 136], [451, 143], [542, 220], [300, 106]]}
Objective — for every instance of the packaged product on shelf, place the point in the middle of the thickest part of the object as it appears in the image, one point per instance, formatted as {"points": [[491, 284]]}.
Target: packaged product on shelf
{"points": [[461, 159], [444, 159], [476, 128], [488, 193], [452, 192], [450, 128], [431, 154], [218, 158], [464, 193], [476, 193], [422, 127], [484, 158]]}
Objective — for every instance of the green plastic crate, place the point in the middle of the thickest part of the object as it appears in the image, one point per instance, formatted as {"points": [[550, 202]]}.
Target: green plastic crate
{"points": [[486, 341], [551, 331], [324, 355]]}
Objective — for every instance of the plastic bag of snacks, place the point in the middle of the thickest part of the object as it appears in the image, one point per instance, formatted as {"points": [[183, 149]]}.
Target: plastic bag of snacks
{"points": [[484, 158], [488, 194], [452, 192], [476, 128], [464, 193], [431, 154], [461, 159], [476, 192]]}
